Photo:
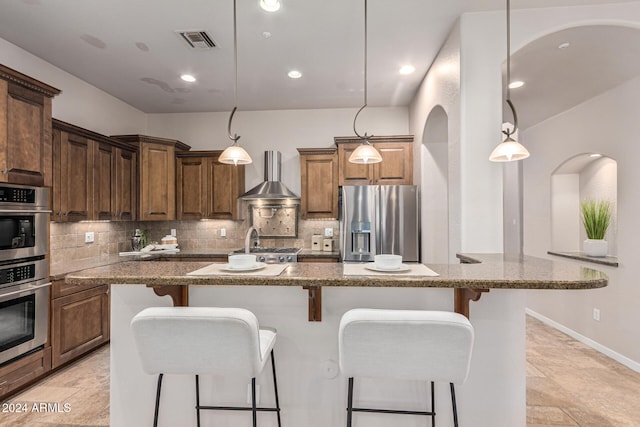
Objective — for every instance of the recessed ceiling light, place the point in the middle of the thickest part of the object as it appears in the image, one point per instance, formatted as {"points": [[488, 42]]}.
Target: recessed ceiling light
{"points": [[294, 74], [270, 5], [407, 69], [595, 155], [188, 78], [516, 84], [266, 35], [564, 45]]}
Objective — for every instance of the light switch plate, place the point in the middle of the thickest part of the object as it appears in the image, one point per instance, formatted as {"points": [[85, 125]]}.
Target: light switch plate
{"points": [[89, 237], [328, 232], [173, 232], [223, 232]]}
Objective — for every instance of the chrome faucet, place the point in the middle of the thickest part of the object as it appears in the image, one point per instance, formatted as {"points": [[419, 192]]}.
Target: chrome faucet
{"points": [[247, 239]]}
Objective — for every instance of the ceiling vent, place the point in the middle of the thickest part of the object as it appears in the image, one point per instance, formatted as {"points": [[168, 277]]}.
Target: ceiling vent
{"points": [[197, 39]]}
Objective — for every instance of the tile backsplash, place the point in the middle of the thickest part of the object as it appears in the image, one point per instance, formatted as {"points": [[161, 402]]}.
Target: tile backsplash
{"points": [[68, 239]]}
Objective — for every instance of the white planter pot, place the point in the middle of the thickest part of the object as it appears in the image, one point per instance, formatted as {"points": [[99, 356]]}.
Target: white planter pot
{"points": [[595, 248]]}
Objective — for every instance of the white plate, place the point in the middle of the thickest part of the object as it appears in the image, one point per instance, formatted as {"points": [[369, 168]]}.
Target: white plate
{"points": [[400, 269], [256, 266]]}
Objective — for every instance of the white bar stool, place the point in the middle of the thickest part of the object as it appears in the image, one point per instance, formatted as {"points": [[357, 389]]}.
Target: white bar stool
{"points": [[204, 340], [405, 345]]}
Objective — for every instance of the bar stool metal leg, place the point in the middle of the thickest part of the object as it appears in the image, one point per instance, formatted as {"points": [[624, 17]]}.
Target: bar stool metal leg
{"points": [[155, 413], [198, 400], [433, 406], [253, 402], [275, 387], [453, 404], [350, 402]]}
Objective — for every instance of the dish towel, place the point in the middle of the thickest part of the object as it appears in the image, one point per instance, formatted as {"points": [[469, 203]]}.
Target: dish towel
{"points": [[414, 270], [217, 269]]}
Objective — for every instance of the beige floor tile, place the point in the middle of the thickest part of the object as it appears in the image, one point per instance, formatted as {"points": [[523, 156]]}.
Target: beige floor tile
{"points": [[548, 415]]}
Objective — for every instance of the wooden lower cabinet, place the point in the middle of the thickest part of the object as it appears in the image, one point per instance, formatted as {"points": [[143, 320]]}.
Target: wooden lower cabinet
{"points": [[317, 259], [79, 322], [22, 372]]}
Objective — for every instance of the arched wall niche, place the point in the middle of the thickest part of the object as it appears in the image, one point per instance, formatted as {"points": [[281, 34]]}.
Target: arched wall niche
{"points": [[581, 177], [435, 186]]}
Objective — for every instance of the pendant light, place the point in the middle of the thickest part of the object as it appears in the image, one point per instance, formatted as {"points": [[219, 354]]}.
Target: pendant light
{"points": [[365, 152], [510, 149], [234, 154]]}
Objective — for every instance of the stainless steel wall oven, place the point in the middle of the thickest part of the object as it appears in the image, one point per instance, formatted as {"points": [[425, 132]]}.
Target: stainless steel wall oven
{"points": [[24, 270]]}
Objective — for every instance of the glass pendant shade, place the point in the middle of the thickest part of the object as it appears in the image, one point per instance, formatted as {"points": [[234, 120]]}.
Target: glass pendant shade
{"points": [[509, 150], [235, 155], [365, 153]]}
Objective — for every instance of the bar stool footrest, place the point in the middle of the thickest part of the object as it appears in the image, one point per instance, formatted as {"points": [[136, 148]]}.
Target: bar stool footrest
{"points": [[237, 408], [393, 411]]}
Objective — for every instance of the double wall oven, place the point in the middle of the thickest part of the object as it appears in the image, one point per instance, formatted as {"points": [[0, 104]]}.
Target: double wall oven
{"points": [[24, 270]]}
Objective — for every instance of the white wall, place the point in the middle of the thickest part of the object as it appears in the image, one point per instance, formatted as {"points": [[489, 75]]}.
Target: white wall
{"points": [[606, 124], [565, 216], [282, 130], [79, 103], [437, 166]]}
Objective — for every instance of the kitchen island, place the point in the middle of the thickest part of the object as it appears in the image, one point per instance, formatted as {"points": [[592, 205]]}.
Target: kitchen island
{"points": [[312, 390]]}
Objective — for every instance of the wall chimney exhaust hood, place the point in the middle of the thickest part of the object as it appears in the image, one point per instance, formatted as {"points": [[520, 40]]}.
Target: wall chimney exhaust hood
{"points": [[272, 187]]}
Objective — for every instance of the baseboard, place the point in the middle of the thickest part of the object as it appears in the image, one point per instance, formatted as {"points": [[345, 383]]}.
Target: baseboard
{"points": [[629, 363]]}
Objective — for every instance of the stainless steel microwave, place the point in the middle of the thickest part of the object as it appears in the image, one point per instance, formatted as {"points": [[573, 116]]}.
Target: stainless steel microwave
{"points": [[24, 221]]}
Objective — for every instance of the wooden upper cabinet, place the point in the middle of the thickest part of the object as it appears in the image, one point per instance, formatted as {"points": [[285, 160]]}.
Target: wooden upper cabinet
{"points": [[25, 129], [190, 188], [157, 175], [207, 188], [396, 167], [94, 177], [73, 175], [319, 183], [104, 181], [126, 194]]}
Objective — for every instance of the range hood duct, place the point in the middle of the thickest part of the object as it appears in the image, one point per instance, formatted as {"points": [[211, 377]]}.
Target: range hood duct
{"points": [[272, 187]]}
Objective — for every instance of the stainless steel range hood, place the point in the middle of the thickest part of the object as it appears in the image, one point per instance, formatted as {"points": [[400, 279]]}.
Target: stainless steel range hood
{"points": [[272, 187]]}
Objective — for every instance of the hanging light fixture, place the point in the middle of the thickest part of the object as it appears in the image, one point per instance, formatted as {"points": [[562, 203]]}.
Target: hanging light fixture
{"points": [[234, 154], [365, 152], [510, 149]]}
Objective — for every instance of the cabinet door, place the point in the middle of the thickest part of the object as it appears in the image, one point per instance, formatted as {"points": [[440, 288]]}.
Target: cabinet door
{"points": [[396, 167], [104, 181], [157, 187], [352, 173], [190, 188], [223, 187], [319, 179], [126, 173], [79, 323], [73, 178], [26, 152]]}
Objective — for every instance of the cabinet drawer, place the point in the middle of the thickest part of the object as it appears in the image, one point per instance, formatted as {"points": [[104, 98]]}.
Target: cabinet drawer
{"points": [[59, 288], [23, 371]]}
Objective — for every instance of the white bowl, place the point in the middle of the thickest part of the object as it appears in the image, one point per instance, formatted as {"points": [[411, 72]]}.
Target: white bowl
{"points": [[242, 261], [387, 261]]}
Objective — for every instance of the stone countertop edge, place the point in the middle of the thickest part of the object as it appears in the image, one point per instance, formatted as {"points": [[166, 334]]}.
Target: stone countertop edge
{"points": [[491, 271]]}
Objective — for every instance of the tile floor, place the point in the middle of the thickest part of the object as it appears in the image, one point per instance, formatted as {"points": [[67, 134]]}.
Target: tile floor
{"points": [[568, 384]]}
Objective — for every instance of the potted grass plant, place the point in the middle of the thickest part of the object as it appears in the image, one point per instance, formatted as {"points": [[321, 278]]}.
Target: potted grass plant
{"points": [[596, 217]]}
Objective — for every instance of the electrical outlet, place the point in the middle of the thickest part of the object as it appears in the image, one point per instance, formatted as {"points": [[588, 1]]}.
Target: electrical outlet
{"points": [[223, 232], [328, 232], [89, 237], [596, 314], [173, 232], [249, 394]]}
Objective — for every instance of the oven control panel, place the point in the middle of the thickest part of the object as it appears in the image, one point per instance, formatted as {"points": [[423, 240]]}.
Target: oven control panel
{"points": [[17, 273], [17, 195]]}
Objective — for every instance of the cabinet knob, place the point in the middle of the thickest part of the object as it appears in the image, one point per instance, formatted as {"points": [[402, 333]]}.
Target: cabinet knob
{"points": [[4, 172]]}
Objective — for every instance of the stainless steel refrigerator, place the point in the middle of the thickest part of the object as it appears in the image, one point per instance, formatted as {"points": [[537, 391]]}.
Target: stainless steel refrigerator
{"points": [[379, 219]]}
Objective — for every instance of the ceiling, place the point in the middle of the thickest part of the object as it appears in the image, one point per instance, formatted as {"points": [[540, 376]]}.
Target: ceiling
{"points": [[598, 58], [130, 49]]}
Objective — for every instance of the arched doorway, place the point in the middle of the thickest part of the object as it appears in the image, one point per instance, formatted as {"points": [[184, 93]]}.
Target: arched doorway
{"points": [[435, 185]]}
